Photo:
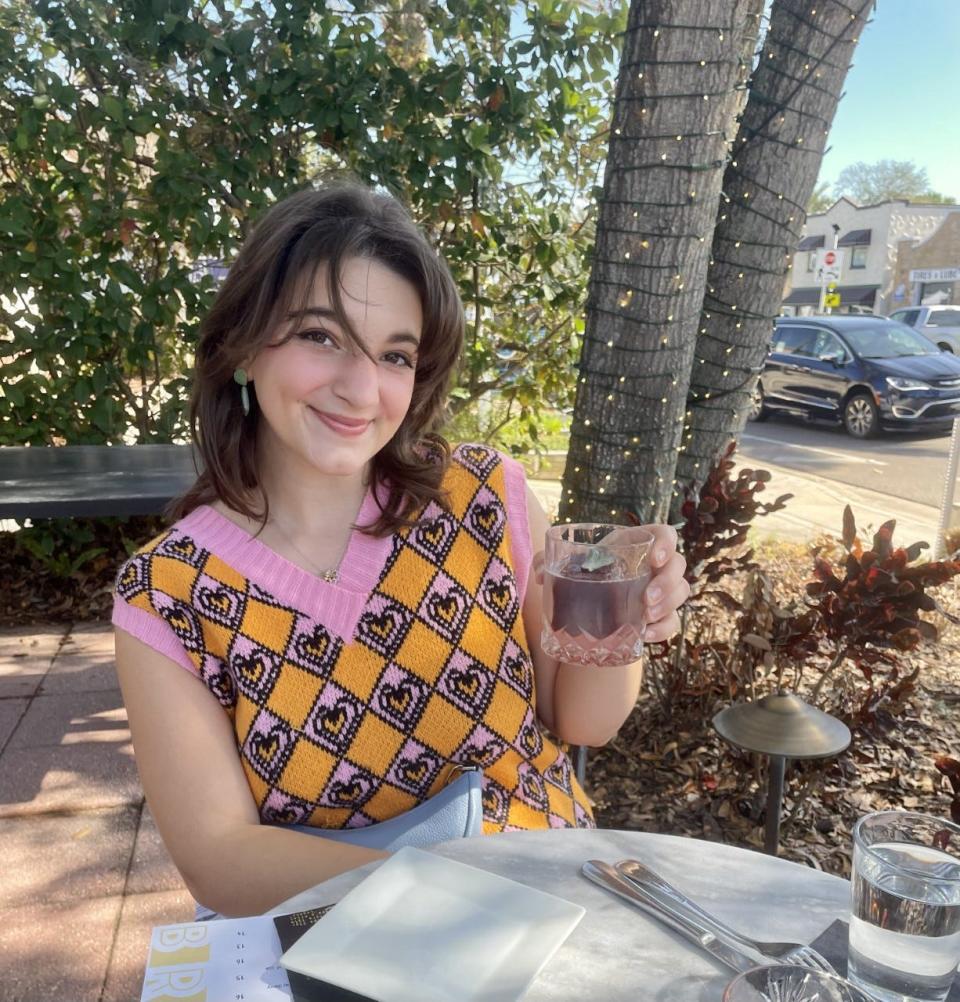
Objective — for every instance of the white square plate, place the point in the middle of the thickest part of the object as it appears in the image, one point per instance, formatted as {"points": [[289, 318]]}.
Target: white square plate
{"points": [[422, 928]]}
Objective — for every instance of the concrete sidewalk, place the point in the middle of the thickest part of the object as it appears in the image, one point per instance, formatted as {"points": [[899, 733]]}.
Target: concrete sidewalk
{"points": [[85, 876], [817, 507]]}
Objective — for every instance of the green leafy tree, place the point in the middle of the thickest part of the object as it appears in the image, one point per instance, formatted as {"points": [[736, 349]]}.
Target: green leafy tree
{"points": [[820, 199], [867, 184], [139, 140]]}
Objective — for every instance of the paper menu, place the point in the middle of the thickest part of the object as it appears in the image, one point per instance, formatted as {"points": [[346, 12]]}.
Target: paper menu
{"points": [[227, 960]]}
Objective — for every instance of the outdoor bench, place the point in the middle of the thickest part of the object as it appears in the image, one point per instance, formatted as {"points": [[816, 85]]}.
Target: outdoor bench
{"points": [[91, 480]]}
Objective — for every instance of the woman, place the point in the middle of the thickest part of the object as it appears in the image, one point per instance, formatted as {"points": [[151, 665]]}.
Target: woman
{"points": [[344, 609]]}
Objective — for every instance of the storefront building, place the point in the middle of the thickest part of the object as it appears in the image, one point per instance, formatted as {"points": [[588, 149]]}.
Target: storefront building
{"points": [[927, 272], [873, 240]]}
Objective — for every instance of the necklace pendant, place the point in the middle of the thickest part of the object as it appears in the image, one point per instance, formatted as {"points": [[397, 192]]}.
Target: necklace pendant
{"points": [[331, 576]]}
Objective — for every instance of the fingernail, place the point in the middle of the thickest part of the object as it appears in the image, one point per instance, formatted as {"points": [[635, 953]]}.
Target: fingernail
{"points": [[655, 612], [654, 594], [662, 556]]}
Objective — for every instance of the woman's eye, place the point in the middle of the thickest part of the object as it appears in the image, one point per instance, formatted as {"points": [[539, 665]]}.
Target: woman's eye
{"points": [[399, 359], [317, 335]]}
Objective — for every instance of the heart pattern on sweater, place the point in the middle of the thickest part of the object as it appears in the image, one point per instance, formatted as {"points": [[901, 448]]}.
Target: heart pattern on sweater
{"points": [[435, 649]]}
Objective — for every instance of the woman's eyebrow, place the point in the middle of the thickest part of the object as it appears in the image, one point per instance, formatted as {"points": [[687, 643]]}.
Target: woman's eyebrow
{"points": [[313, 311], [329, 314], [403, 337]]}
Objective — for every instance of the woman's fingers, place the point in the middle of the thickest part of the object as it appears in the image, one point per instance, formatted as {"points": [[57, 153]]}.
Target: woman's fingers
{"points": [[537, 568], [664, 545], [667, 591], [661, 603], [662, 630], [667, 579]]}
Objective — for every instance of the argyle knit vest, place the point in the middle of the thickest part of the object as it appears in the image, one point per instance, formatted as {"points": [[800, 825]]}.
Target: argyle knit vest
{"points": [[352, 700]]}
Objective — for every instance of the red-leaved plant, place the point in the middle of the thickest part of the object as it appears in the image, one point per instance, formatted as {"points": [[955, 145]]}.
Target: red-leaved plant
{"points": [[950, 768], [869, 612], [689, 671], [865, 612], [716, 520], [862, 611]]}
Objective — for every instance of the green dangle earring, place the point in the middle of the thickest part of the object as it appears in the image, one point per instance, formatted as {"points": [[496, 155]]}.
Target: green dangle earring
{"points": [[240, 378]]}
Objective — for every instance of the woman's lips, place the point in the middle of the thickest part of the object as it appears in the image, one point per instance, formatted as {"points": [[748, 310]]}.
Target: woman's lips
{"points": [[349, 427]]}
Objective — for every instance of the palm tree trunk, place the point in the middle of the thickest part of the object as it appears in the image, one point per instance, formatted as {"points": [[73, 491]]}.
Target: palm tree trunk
{"points": [[673, 122], [794, 93]]}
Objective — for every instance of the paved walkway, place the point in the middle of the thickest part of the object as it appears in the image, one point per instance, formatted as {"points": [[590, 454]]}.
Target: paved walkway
{"points": [[817, 507], [85, 876]]}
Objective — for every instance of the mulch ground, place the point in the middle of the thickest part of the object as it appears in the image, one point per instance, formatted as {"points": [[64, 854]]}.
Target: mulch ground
{"points": [[660, 777], [32, 593], [656, 775]]}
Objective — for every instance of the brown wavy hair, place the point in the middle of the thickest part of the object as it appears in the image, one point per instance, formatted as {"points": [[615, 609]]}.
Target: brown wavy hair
{"points": [[322, 226]]}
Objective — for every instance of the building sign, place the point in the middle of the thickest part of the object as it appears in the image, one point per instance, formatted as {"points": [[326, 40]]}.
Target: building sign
{"points": [[935, 275]]}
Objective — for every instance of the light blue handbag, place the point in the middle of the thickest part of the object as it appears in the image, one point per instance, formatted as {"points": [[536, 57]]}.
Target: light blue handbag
{"points": [[455, 812]]}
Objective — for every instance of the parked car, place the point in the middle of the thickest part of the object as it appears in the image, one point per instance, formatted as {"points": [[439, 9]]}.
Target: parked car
{"points": [[939, 323], [864, 372]]}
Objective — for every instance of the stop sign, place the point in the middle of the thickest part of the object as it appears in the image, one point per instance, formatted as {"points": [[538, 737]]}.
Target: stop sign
{"points": [[829, 258]]}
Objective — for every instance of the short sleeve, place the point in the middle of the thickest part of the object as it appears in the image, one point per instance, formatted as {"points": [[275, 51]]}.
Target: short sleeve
{"points": [[145, 612], [521, 546]]}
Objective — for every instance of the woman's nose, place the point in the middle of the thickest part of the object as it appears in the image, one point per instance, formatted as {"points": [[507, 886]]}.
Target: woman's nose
{"points": [[357, 379]]}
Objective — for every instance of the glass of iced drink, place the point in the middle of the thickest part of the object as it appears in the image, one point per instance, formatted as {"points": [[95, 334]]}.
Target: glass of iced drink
{"points": [[594, 577], [905, 910]]}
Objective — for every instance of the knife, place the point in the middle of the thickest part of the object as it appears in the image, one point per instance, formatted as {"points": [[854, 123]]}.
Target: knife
{"points": [[652, 885], [687, 925]]}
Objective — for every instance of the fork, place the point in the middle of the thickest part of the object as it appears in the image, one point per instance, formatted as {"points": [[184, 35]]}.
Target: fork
{"points": [[664, 894]]}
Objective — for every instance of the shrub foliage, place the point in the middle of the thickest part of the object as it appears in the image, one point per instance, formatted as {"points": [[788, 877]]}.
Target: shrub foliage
{"points": [[141, 139]]}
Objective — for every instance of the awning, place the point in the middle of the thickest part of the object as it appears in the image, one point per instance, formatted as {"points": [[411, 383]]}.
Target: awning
{"points": [[850, 295], [811, 243], [857, 295], [803, 297], [854, 238]]}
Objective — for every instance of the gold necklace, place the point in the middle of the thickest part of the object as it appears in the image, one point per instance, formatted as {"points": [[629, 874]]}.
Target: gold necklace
{"points": [[329, 574]]}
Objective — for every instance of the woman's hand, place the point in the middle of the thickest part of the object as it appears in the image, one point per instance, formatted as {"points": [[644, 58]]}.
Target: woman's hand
{"points": [[668, 589]]}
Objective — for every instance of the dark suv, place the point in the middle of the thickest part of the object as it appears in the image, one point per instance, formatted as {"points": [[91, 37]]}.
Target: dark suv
{"points": [[866, 372]]}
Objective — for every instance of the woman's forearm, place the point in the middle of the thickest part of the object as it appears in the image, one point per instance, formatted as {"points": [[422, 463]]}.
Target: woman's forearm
{"points": [[253, 868], [590, 704]]}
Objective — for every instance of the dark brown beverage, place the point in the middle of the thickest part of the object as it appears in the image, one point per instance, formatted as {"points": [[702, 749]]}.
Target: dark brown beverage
{"points": [[593, 610]]}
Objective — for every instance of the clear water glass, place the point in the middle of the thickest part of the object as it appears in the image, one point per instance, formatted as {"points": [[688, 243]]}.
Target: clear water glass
{"points": [[594, 579], [905, 907], [791, 983]]}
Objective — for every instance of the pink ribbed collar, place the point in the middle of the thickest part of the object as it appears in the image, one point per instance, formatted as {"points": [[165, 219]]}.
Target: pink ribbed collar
{"points": [[337, 605]]}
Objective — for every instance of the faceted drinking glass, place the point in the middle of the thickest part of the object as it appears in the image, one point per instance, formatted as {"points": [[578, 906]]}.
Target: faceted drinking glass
{"points": [[791, 983], [905, 909], [594, 578]]}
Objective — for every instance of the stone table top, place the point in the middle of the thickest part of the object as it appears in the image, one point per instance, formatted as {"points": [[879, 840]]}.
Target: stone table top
{"points": [[617, 952]]}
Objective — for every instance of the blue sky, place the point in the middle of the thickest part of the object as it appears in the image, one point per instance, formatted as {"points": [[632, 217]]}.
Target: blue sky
{"points": [[902, 93]]}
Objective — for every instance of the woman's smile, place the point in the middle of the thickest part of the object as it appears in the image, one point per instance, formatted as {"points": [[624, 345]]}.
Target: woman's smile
{"points": [[327, 406], [349, 427]]}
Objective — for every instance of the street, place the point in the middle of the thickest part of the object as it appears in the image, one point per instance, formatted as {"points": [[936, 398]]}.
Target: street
{"points": [[910, 466]]}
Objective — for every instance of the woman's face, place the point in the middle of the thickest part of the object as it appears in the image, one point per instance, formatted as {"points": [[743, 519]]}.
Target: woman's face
{"points": [[325, 406]]}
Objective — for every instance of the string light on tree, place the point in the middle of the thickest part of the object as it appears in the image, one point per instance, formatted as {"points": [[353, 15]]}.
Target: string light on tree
{"points": [[625, 296]]}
